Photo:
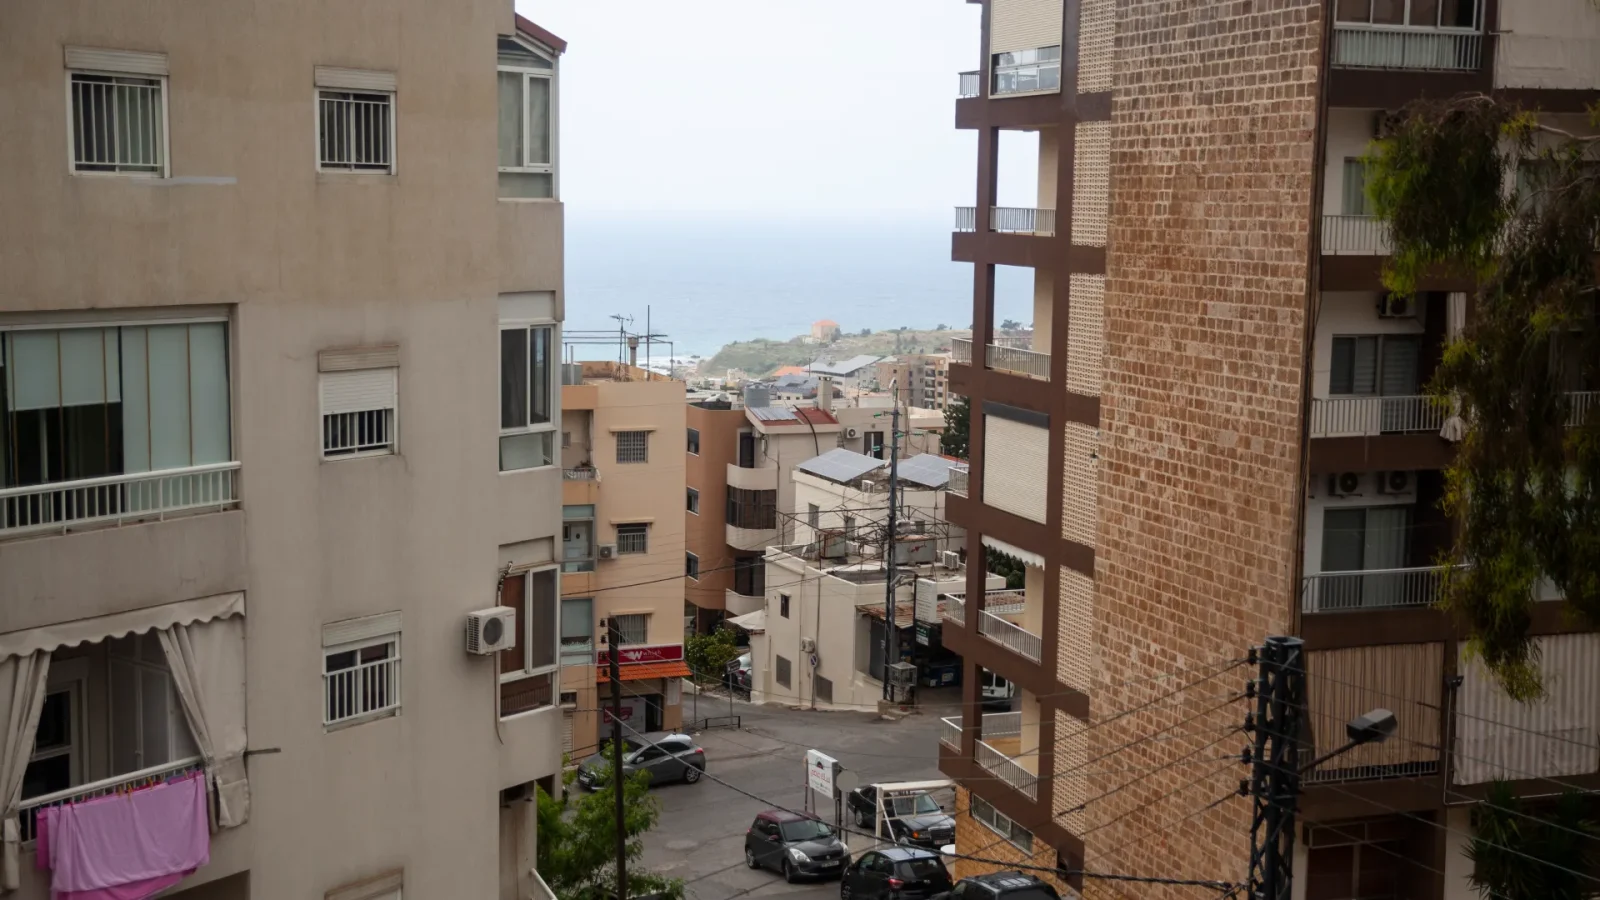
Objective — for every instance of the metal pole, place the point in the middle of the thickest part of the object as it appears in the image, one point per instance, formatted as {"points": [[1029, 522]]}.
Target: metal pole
{"points": [[614, 667], [1275, 772], [892, 619]]}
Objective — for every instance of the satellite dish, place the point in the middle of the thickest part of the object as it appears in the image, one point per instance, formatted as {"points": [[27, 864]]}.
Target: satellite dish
{"points": [[846, 780]]}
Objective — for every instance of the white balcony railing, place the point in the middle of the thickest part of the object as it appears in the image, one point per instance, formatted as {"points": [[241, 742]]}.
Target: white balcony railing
{"points": [[959, 475], [1022, 220], [117, 499], [1012, 637], [961, 350], [583, 473], [367, 689], [971, 84], [1347, 416], [1019, 361], [1355, 236], [955, 609], [1357, 46], [950, 731], [996, 761], [1582, 402], [1371, 589], [29, 809], [966, 218]]}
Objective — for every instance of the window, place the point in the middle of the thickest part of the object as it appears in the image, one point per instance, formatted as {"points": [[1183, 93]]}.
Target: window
{"points": [[691, 566], [1415, 13], [824, 689], [783, 671], [1027, 70], [1355, 187], [527, 121], [997, 822], [118, 122], [633, 446], [633, 628], [57, 759], [694, 442], [358, 412], [355, 131], [527, 396], [577, 538], [694, 501], [874, 444], [577, 631], [526, 667], [813, 515], [783, 605], [750, 576], [1374, 537], [361, 668], [752, 508], [633, 538], [849, 526], [1385, 365]]}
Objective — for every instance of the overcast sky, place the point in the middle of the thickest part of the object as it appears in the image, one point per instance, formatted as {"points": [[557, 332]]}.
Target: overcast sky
{"points": [[797, 107]]}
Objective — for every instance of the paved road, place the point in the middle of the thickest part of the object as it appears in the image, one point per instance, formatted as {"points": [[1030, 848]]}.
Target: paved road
{"points": [[701, 835]]}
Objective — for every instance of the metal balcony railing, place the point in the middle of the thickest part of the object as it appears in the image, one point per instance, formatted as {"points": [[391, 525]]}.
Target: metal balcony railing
{"points": [[1370, 589], [966, 218], [959, 475], [1022, 220], [116, 499], [1582, 402], [1358, 46], [586, 473], [1355, 236], [29, 809], [1012, 637], [955, 609], [950, 731], [1018, 361], [1345, 416], [997, 762], [961, 350], [971, 84]]}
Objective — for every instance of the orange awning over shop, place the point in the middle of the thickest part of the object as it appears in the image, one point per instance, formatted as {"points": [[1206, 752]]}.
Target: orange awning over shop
{"points": [[645, 671]]}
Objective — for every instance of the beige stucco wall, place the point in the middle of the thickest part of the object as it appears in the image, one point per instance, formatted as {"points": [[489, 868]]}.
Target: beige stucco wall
{"points": [[1548, 44], [705, 534], [306, 262]]}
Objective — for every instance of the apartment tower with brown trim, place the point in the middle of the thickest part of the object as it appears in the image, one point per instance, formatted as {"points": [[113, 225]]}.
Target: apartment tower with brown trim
{"points": [[1225, 413]]}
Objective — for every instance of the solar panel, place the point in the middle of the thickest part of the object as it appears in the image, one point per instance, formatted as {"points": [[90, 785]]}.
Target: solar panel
{"points": [[928, 469], [773, 413], [840, 465]]}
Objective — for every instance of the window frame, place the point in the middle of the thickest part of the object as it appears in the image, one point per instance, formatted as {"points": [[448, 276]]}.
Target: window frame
{"points": [[1475, 28], [691, 566], [552, 75], [588, 652], [692, 500], [391, 420], [1009, 833], [1379, 339], [390, 640], [692, 441], [643, 534], [644, 633], [529, 670], [552, 356], [394, 154], [644, 458], [165, 168], [783, 671], [783, 605]]}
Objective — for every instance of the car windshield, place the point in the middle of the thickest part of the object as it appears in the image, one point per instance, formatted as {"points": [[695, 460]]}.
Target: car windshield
{"points": [[921, 869], [915, 805], [805, 830]]}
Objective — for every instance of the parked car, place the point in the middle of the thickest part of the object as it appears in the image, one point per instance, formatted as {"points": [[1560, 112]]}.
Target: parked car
{"points": [[997, 885], [996, 692], [796, 846], [666, 755], [914, 818], [738, 674], [897, 873]]}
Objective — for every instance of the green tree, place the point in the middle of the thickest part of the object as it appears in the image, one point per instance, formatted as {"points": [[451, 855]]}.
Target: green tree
{"points": [[709, 654], [957, 426], [1520, 856], [1010, 325], [1479, 187], [577, 853], [1007, 566], [941, 327]]}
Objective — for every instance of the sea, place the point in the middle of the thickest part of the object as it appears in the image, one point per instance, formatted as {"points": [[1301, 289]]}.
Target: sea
{"points": [[707, 279]]}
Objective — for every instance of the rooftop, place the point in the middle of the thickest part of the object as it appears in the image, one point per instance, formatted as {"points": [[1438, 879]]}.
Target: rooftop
{"points": [[843, 367], [790, 415]]}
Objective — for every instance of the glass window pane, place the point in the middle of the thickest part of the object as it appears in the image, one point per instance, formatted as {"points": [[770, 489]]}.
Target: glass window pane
{"points": [[208, 385], [1341, 376], [1424, 13], [1343, 537], [1401, 361], [526, 185], [539, 121], [33, 370], [1364, 366], [169, 396], [543, 615], [524, 451], [1355, 187], [539, 381], [135, 401], [1388, 12], [513, 378], [83, 366], [55, 722], [511, 121], [577, 619]]}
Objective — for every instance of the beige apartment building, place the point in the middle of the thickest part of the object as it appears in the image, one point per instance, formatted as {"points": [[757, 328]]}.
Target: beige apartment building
{"points": [[258, 465], [1225, 413], [622, 547]]}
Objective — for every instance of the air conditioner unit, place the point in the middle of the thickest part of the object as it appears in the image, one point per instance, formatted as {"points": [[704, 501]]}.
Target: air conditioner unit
{"points": [[1395, 306], [608, 551], [1396, 482], [852, 433], [491, 630], [866, 485], [951, 559], [1344, 484], [807, 645], [902, 673]]}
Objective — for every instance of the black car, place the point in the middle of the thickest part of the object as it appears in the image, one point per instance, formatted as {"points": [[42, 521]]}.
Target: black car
{"points": [[897, 873], [912, 818], [997, 885], [794, 845]]}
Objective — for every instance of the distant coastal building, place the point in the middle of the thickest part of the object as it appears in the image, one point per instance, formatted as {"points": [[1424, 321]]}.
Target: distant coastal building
{"points": [[920, 379], [788, 370], [825, 330], [851, 374]]}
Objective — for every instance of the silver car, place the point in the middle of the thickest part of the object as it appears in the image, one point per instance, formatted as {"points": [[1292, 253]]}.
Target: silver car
{"points": [[666, 755]]}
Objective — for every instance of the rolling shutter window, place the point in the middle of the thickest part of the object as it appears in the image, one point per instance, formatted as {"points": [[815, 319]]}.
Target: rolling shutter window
{"points": [[359, 391], [1014, 467]]}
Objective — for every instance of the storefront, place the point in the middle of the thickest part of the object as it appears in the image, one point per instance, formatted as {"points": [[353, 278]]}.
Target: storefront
{"points": [[652, 688]]}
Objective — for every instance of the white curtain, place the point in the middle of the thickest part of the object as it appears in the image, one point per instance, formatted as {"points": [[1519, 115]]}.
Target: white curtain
{"points": [[22, 683], [207, 662]]}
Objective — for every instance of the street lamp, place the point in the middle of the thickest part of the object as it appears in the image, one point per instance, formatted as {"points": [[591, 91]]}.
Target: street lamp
{"points": [[1372, 727]]}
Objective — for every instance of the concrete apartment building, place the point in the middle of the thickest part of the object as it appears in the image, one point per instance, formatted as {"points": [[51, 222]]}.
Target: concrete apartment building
{"points": [[622, 524], [258, 462], [921, 379], [1223, 409]]}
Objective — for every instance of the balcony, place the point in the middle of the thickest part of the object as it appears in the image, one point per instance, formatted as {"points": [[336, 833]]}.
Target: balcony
{"points": [[1000, 602], [1363, 46], [959, 475], [1371, 416], [738, 604], [1332, 592], [1017, 361], [1013, 637], [1027, 71], [117, 499], [583, 473], [1022, 220], [998, 749], [966, 218], [1355, 236], [32, 809], [961, 351], [764, 478], [971, 85]]}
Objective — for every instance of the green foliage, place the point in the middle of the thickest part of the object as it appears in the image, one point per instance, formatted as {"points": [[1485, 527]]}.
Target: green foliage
{"points": [[957, 427], [1526, 483], [709, 654], [1015, 572], [1520, 856], [1010, 325], [577, 853]]}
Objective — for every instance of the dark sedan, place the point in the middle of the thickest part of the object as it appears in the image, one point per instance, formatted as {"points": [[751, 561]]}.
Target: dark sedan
{"points": [[897, 873], [913, 818], [795, 846]]}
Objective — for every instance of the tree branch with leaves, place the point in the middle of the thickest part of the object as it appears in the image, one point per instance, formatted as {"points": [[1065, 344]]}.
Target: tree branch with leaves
{"points": [[577, 852]]}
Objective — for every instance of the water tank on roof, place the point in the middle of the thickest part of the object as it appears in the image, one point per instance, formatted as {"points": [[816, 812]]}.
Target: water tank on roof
{"points": [[756, 396], [572, 373]]}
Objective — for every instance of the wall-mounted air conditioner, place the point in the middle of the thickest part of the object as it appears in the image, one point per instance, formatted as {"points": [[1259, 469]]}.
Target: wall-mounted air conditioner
{"points": [[491, 630]]}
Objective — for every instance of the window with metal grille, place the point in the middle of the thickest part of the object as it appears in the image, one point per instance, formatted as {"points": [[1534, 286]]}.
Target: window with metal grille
{"points": [[633, 628], [691, 565], [693, 501], [996, 821], [633, 538], [119, 124], [355, 131], [824, 689], [361, 679], [633, 446], [358, 409], [782, 674]]}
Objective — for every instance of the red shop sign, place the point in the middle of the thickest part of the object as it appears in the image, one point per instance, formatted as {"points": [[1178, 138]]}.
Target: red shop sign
{"points": [[647, 653]]}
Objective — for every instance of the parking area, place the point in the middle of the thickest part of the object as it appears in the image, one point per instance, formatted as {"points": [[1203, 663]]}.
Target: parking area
{"points": [[701, 835]]}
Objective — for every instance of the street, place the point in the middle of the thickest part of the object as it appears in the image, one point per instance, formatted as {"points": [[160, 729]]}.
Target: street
{"points": [[701, 834]]}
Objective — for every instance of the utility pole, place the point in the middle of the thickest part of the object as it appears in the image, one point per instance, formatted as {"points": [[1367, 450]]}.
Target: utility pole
{"points": [[892, 619], [1280, 691], [614, 669]]}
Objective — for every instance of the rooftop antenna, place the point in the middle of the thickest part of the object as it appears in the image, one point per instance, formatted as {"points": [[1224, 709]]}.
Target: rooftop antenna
{"points": [[622, 334]]}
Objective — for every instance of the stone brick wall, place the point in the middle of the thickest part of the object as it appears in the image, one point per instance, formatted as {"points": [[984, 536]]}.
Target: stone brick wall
{"points": [[1212, 162], [973, 838]]}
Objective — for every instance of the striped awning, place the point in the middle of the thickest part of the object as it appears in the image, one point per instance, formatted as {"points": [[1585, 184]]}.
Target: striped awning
{"points": [[645, 671]]}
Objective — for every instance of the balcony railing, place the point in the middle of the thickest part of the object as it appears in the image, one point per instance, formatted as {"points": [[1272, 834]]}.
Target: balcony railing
{"points": [[955, 609], [1370, 589], [966, 218], [366, 689], [961, 350], [1022, 220], [1344, 416], [950, 731], [586, 473], [959, 473], [1355, 236], [1357, 46], [117, 499], [1012, 637], [971, 84], [1019, 361], [1582, 403], [29, 809], [997, 726]]}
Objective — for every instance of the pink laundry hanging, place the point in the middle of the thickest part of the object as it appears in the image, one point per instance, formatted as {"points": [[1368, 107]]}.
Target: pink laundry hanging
{"points": [[126, 846]]}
